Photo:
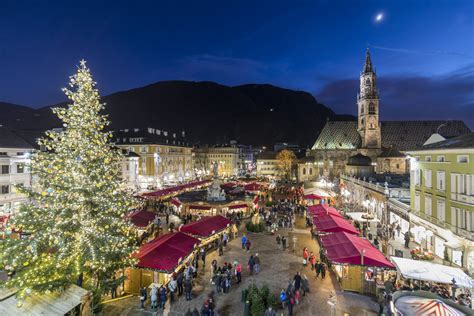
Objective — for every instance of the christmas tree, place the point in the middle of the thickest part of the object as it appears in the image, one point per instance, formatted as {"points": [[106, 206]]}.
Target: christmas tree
{"points": [[74, 225]]}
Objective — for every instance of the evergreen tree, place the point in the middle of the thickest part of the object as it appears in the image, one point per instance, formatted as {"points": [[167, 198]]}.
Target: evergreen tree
{"points": [[74, 223]]}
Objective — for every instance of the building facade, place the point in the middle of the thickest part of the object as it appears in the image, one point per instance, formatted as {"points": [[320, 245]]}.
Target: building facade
{"points": [[230, 160], [15, 152], [267, 165], [164, 158], [308, 169], [442, 198], [381, 141]]}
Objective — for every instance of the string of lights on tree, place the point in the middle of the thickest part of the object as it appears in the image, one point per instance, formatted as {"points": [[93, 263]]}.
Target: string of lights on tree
{"points": [[75, 223]]}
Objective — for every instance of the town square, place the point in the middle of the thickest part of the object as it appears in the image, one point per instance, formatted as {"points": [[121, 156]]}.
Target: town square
{"points": [[261, 158]]}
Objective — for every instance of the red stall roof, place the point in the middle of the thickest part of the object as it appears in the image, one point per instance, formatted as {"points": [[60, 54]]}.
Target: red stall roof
{"points": [[199, 207], [333, 224], [141, 218], [165, 252], [176, 189], [256, 199], [346, 248], [204, 227], [253, 187], [313, 197], [176, 202], [232, 207], [323, 209]]}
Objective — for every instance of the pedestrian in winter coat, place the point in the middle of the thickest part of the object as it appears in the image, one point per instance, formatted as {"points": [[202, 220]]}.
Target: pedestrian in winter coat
{"points": [[270, 312], [244, 241], [283, 298], [162, 294], [297, 281], [172, 287], [143, 297], [188, 287], [238, 271], [247, 245], [323, 270], [305, 256], [179, 282], [291, 303], [312, 260], [256, 265], [304, 285], [154, 297], [251, 264], [283, 243], [278, 240]]}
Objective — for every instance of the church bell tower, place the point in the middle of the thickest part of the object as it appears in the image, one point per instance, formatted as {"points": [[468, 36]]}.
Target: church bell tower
{"points": [[368, 124]]}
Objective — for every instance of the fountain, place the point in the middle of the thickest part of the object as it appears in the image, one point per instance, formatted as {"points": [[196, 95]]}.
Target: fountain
{"points": [[214, 192]]}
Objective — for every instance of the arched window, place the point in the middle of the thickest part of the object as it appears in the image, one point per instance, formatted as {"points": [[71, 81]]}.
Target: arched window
{"points": [[362, 122], [304, 170], [371, 108], [310, 171], [362, 109]]}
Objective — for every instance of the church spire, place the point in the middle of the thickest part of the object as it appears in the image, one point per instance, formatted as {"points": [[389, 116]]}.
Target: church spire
{"points": [[368, 62]]}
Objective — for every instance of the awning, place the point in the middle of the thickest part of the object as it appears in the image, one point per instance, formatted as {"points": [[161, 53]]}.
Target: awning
{"points": [[206, 227], [165, 252], [411, 305], [199, 207], [323, 209], [428, 271], [176, 189], [175, 202], [256, 199], [333, 224], [253, 187], [313, 197], [233, 207], [345, 248], [141, 218], [54, 303], [359, 217]]}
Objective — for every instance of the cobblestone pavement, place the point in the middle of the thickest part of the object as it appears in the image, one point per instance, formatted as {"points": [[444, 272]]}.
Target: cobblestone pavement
{"points": [[277, 268]]}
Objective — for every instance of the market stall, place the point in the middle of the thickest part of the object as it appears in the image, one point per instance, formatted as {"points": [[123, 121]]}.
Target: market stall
{"points": [[208, 229], [141, 218], [201, 210], [359, 266], [322, 210], [432, 272], [328, 223], [158, 259]]}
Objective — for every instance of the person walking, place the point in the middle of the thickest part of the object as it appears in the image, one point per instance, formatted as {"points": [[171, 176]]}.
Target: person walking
{"points": [[398, 229], [407, 239], [283, 298], [323, 270], [247, 245], [203, 256], [251, 264], [317, 267], [305, 285], [278, 240], [221, 249], [270, 312], [256, 265], [188, 288], [238, 271], [172, 287], [305, 256], [283, 243], [179, 283], [297, 281], [143, 297], [244, 241], [154, 297], [312, 260], [291, 303], [162, 294]]}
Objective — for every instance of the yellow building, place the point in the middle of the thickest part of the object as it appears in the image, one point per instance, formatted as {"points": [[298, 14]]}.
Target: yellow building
{"points": [[230, 160], [442, 199], [267, 165], [164, 158]]}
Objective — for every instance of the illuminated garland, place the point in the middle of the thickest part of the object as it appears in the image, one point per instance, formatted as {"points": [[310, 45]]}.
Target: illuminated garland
{"points": [[75, 221]]}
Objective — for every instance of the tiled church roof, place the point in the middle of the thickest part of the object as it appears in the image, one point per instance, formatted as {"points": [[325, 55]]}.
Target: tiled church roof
{"points": [[402, 135], [338, 135], [405, 135]]}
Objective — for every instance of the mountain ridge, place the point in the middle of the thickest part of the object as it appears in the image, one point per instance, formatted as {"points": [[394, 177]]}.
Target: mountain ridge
{"points": [[209, 112]]}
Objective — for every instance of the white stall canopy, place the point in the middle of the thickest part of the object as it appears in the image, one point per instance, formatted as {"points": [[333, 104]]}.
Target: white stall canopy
{"points": [[433, 272]]}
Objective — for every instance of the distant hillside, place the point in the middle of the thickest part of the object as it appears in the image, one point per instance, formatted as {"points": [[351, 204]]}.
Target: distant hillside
{"points": [[256, 114]]}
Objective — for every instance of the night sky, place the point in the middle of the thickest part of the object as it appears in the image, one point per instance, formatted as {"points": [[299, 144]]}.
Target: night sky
{"points": [[423, 50]]}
